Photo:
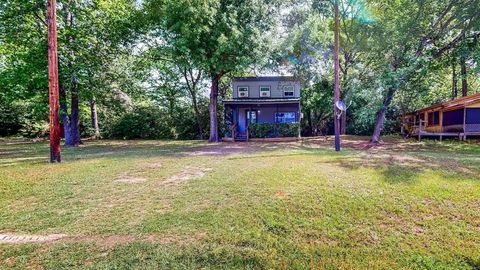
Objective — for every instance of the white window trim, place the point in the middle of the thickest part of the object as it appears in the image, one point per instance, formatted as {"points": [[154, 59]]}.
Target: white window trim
{"points": [[289, 88], [247, 90], [294, 113], [269, 91]]}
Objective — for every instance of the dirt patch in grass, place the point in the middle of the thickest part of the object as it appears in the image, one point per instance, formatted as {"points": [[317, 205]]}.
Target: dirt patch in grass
{"points": [[105, 241], [281, 195], [10, 238], [227, 148], [189, 173], [363, 143], [130, 179], [155, 165]]}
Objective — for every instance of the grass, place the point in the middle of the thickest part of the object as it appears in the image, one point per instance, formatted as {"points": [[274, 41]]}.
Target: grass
{"points": [[403, 205]]}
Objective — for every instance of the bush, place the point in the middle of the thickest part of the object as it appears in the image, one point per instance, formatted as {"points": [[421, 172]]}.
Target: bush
{"points": [[262, 130], [10, 120], [269, 130], [141, 123]]}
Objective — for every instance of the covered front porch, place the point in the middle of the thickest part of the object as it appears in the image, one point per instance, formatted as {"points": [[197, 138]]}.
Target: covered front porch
{"points": [[457, 122], [246, 119]]}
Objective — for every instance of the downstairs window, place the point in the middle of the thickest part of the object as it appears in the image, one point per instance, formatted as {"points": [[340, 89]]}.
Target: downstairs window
{"points": [[285, 117]]}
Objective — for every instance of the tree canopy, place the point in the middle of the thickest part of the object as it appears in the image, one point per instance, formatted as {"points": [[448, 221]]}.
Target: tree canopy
{"points": [[173, 60]]}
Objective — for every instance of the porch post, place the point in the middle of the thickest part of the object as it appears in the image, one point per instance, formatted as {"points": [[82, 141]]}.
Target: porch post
{"points": [[299, 120], [225, 117], [275, 121], [464, 123], [235, 121], [249, 114]]}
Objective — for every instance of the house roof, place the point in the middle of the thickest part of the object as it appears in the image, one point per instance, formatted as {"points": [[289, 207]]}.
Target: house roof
{"points": [[452, 104], [263, 101], [264, 78]]}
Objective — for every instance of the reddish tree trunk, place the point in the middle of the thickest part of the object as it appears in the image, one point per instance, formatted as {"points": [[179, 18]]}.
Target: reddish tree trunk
{"points": [[213, 109], [53, 82]]}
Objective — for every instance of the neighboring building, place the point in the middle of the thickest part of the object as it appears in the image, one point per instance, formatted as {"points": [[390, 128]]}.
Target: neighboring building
{"points": [[459, 117], [263, 107]]}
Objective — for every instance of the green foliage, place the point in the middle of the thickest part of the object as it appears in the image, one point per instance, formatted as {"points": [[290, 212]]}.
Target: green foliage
{"points": [[140, 123], [261, 130], [317, 108], [10, 121], [287, 129], [152, 122], [26, 118], [218, 36], [269, 130], [165, 52]]}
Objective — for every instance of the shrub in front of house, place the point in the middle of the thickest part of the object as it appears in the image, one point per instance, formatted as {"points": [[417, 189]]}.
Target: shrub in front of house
{"points": [[261, 130], [288, 129], [269, 130]]}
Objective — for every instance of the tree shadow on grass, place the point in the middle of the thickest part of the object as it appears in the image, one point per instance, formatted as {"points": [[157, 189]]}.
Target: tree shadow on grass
{"points": [[398, 169], [33, 153], [398, 174]]}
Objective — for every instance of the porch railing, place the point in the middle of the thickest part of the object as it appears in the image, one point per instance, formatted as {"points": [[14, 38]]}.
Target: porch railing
{"points": [[233, 131]]}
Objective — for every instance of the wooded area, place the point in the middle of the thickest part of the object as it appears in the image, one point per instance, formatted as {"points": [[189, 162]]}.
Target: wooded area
{"points": [[158, 69]]}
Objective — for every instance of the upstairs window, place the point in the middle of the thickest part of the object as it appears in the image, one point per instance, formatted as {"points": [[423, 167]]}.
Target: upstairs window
{"points": [[264, 91], [243, 92], [433, 118], [288, 91]]}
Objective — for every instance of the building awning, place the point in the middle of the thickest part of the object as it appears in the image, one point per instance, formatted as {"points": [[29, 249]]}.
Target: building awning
{"points": [[450, 105], [265, 79], [255, 101]]}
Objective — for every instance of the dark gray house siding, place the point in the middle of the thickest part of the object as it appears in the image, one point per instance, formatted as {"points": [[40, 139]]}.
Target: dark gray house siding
{"points": [[280, 107], [277, 85]]}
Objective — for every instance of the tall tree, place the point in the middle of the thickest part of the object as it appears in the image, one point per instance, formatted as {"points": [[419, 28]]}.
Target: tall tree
{"points": [[219, 36], [193, 80], [53, 82], [418, 32]]}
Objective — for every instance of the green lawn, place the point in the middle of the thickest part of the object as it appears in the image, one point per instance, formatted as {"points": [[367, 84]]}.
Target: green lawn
{"points": [[191, 205]]}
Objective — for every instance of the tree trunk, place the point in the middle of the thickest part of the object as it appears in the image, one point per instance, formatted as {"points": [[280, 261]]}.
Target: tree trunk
{"points": [[74, 120], [213, 109], [336, 91], [94, 116], [65, 118], [196, 111], [454, 80], [75, 115], [344, 70], [53, 82], [381, 115], [192, 82], [464, 76], [343, 123], [309, 121]]}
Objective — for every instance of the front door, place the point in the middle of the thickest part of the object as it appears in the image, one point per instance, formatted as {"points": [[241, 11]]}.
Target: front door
{"points": [[251, 117]]}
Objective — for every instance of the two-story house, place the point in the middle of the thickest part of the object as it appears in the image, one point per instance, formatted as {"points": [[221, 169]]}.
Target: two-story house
{"points": [[268, 105]]}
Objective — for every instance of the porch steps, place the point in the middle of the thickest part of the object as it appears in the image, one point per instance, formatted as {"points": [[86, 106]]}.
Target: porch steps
{"points": [[241, 138]]}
